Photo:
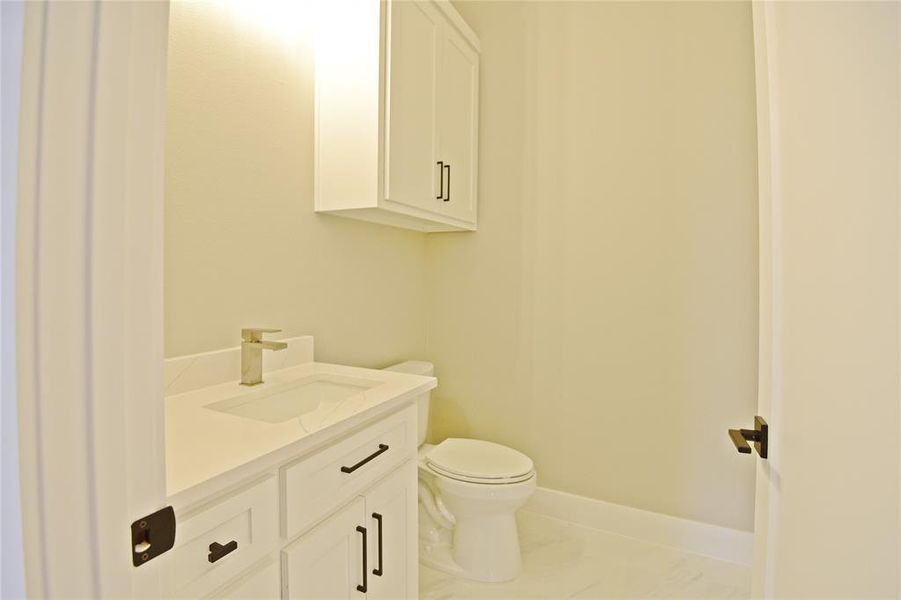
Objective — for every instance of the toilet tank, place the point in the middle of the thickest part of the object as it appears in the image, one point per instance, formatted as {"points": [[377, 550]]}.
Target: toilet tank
{"points": [[418, 367]]}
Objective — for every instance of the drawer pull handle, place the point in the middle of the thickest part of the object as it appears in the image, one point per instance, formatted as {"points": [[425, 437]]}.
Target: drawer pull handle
{"points": [[382, 448], [362, 588], [378, 572], [217, 550], [447, 198]]}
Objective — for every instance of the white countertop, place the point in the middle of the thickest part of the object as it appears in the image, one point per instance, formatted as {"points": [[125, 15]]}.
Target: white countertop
{"points": [[203, 445]]}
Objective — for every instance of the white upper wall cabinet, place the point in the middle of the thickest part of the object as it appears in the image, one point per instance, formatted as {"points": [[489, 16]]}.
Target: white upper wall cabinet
{"points": [[458, 93], [397, 111]]}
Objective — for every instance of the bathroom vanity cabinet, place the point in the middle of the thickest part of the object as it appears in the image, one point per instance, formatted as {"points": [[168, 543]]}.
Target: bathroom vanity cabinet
{"points": [[281, 500], [330, 562], [397, 99], [337, 522]]}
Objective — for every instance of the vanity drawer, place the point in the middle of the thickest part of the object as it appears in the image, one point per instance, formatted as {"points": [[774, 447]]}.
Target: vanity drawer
{"points": [[244, 523], [263, 583], [314, 486]]}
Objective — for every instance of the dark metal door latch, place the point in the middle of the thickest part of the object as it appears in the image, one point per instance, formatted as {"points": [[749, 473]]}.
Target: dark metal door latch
{"points": [[152, 535], [759, 435]]}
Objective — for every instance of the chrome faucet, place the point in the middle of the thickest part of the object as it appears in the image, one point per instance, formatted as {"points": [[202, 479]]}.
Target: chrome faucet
{"points": [[252, 346]]}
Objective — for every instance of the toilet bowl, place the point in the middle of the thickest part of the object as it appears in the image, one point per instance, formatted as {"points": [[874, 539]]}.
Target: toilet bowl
{"points": [[469, 492], [480, 485]]}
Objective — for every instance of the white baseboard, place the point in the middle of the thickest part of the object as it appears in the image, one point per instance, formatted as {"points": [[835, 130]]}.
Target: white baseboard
{"points": [[714, 541]]}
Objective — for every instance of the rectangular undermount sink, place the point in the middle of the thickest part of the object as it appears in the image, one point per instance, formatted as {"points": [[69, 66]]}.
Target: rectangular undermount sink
{"points": [[294, 399]]}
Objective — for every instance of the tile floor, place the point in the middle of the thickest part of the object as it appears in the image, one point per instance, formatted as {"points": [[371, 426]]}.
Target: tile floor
{"points": [[563, 560]]}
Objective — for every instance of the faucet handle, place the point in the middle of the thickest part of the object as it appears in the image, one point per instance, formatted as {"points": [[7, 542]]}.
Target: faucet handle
{"points": [[255, 334]]}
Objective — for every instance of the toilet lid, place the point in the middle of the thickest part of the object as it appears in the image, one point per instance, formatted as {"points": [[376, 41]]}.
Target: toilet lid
{"points": [[479, 460]]}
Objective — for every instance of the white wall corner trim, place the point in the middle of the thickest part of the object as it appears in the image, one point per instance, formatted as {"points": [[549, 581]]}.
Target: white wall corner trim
{"points": [[717, 542]]}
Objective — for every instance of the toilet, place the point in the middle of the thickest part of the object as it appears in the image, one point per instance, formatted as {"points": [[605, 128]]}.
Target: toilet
{"points": [[469, 492]]}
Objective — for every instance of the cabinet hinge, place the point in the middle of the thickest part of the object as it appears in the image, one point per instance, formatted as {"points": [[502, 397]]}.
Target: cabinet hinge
{"points": [[152, 535]]}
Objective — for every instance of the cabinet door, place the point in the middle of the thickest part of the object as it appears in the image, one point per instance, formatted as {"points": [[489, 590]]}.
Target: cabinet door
{"points": [[391, 509], [458, 115], [410, 162], [327, 562]]}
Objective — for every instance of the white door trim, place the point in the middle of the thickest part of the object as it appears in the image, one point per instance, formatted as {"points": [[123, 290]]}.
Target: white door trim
{"points": [[768, 284], [89, 293], [899, 296], [12, 566]]}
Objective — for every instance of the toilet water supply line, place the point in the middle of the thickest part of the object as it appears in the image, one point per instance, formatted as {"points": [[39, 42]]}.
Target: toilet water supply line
{"points": [[435, 507]]}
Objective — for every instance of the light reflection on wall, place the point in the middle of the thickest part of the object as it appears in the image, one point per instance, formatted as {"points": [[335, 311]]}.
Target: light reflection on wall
{"points": [[286, 21]]}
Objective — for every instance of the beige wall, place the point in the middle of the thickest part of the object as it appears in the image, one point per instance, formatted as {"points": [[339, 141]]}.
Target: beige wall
{"points": [[604, 317], [243, 246]]}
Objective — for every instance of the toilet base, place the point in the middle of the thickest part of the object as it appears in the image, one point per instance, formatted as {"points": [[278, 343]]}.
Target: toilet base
{"points": [[440, 559], [486, 547], [483, 547], [468, 529], [491, 563]]}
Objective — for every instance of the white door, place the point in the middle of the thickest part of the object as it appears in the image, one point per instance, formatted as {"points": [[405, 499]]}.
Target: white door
{"points": [[827, 520], [458, 110], [392, 510], [412, 62], [89, 294], [328, 561]]}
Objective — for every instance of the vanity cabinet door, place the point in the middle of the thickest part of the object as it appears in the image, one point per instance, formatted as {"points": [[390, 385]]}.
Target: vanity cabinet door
{"points": [[327, 562], [410, 162], [391, 509], [457, 123]]}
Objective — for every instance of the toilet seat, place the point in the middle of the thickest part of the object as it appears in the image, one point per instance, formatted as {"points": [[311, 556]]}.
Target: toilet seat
{"points": [[478, 461], [480, 481]]}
